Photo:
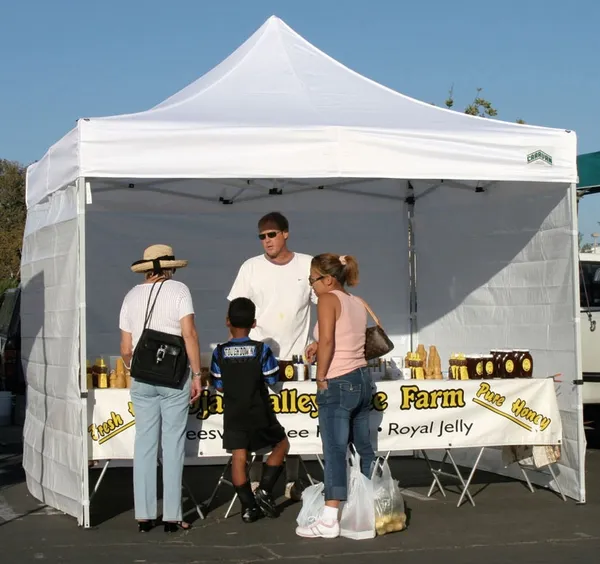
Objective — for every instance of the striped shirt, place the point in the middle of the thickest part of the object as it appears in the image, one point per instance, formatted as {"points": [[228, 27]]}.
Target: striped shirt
{"points": [[173, 304]]}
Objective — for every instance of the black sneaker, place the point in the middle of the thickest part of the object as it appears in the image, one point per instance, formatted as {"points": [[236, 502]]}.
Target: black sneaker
{"points": [[267, 503], [251, 514]]}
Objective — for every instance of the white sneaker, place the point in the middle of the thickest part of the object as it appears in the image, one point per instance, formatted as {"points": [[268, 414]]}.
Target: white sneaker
{"points": [[320, 529], [254, 486]]}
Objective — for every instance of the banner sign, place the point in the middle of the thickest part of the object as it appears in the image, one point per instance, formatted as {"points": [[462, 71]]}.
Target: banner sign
{"points": [[405, 415]]}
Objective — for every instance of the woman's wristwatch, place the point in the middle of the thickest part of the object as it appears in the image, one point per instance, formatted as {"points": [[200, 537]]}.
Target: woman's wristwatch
{"points": [[196, 374]]}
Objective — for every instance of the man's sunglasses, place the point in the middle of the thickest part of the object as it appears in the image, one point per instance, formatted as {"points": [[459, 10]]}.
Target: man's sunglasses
{"points": [[269, 234]]}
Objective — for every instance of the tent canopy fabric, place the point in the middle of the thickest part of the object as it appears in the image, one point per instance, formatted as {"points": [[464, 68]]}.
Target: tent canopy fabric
{"points": [[278, 107], [588, 167]]}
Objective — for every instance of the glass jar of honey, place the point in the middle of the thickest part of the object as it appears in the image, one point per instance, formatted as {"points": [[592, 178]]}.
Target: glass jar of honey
{"points": [[525, 363], [286, 371], [474, 366], [511, 364], [500, 363], [479, 367], [489, 364]]}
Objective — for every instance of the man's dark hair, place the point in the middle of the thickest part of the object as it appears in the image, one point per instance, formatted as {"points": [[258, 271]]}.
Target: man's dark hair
{"points": [[242, 313], [274, 220]]}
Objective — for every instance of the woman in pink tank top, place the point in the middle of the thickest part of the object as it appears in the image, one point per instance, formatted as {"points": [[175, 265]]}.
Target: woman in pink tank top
{"points": [[344, 386]]}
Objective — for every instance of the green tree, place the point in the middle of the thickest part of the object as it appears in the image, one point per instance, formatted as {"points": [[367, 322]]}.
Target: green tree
{"points": [[480, 106], [13, 212]]}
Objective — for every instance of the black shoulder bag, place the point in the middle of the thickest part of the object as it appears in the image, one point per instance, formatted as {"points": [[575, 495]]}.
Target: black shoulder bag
{"points": [[159, 358]]}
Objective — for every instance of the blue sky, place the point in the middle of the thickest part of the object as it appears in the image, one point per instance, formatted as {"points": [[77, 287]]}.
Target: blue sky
{"points": [[62, 60]]}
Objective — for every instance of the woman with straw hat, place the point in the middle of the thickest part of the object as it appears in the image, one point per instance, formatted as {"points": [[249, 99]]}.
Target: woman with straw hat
{"points": [[160, 408]]}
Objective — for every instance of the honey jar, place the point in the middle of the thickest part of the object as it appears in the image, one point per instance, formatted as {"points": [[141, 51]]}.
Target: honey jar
{"points": [[479, 367], [471, 361], [499, 362], [511, 364], [286, 371], [489, 367], [525, 363]]}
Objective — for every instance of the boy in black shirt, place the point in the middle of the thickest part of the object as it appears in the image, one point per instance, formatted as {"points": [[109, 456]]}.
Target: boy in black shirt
{"points": [[240, 369]]}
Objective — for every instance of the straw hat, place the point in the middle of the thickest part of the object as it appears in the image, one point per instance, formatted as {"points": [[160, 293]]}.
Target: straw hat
{"points": [[157, 257]]}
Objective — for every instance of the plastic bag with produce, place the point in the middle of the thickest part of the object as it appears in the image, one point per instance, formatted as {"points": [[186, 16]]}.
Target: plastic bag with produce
{"points": [[390, 513]]}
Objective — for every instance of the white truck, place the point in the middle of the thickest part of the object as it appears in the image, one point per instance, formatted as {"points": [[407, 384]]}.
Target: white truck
{"points": [[589, 288]]}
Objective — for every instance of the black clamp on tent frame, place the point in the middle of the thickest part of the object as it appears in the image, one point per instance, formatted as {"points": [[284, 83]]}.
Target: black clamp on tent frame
{"points": [[410, 200]]}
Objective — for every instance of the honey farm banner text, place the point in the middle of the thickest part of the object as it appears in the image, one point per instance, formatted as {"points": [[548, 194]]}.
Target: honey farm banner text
{"points": [[406, 415]]}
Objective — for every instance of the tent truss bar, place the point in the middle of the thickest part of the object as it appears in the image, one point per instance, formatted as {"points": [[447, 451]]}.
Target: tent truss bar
{"points": [[458, 185]]}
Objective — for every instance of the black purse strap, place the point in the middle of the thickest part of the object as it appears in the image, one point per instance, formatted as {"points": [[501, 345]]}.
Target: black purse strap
{"points": [[150, 310]]}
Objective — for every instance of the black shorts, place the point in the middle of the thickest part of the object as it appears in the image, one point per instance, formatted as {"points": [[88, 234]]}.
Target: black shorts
{"points": [[254, 440]]}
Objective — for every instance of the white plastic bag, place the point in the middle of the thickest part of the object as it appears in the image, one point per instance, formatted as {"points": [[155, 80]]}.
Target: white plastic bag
{"points": [[358, 513], [313, 502], [390, 514]]}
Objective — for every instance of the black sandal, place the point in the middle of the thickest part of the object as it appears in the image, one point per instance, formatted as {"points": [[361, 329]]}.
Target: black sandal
{"points": [[145, 526], [174, 526]]}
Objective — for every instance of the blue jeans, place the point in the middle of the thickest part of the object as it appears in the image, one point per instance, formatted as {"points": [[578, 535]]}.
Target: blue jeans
{"points": [[159, 409], [344, 413]]}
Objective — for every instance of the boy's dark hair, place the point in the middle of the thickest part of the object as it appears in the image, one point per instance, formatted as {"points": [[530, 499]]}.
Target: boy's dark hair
{"points": [[242, 313], [274, 220]]}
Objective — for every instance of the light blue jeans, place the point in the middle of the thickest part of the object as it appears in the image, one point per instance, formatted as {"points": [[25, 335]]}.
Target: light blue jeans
{"points": [[159, 409]]}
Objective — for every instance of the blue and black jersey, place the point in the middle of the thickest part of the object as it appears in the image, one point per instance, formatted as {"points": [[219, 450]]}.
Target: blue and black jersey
{"points": [[242, 369], [245, 349]]}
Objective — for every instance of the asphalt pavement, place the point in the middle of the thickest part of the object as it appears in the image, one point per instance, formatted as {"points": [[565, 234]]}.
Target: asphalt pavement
{"points": [[508, 524]]}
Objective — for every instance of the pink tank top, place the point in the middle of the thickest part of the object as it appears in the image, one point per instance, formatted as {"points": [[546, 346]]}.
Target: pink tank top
{"points": [[350, 328]]}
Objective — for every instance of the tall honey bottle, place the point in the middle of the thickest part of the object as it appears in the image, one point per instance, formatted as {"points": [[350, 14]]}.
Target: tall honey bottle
{"points": [[120, 370], [90, 375], [102, 374]]}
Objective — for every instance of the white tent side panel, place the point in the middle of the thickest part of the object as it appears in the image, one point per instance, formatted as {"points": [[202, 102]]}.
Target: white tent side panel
{"points": [[495, 271], [57, 168], [52, 451]]}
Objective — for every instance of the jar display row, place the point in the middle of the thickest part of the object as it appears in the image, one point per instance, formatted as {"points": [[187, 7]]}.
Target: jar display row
{"points": [[499, 363], [99, 375], [516, 363]]}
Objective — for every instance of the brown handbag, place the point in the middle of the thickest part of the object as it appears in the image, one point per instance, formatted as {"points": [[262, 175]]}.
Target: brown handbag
{"points": [[377, 343]]}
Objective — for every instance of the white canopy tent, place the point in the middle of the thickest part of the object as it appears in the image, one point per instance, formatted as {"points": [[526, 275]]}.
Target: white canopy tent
{"points": [[280, 125]]}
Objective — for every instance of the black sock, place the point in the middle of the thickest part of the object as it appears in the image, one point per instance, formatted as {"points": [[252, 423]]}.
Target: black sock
{"points": [[269, 478], [246, 496]]}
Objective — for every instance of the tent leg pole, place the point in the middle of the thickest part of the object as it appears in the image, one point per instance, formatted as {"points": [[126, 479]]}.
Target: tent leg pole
{"points": [[100, 478], [562, 495], [412, 266], [85, 486], [581, 440]]}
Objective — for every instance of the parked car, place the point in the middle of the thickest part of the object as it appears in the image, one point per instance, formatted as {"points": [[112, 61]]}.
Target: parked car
{"points": [[11, 372]]}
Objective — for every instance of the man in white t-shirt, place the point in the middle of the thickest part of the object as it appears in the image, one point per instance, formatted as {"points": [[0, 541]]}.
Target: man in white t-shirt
{"points": [[277, 282]]}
